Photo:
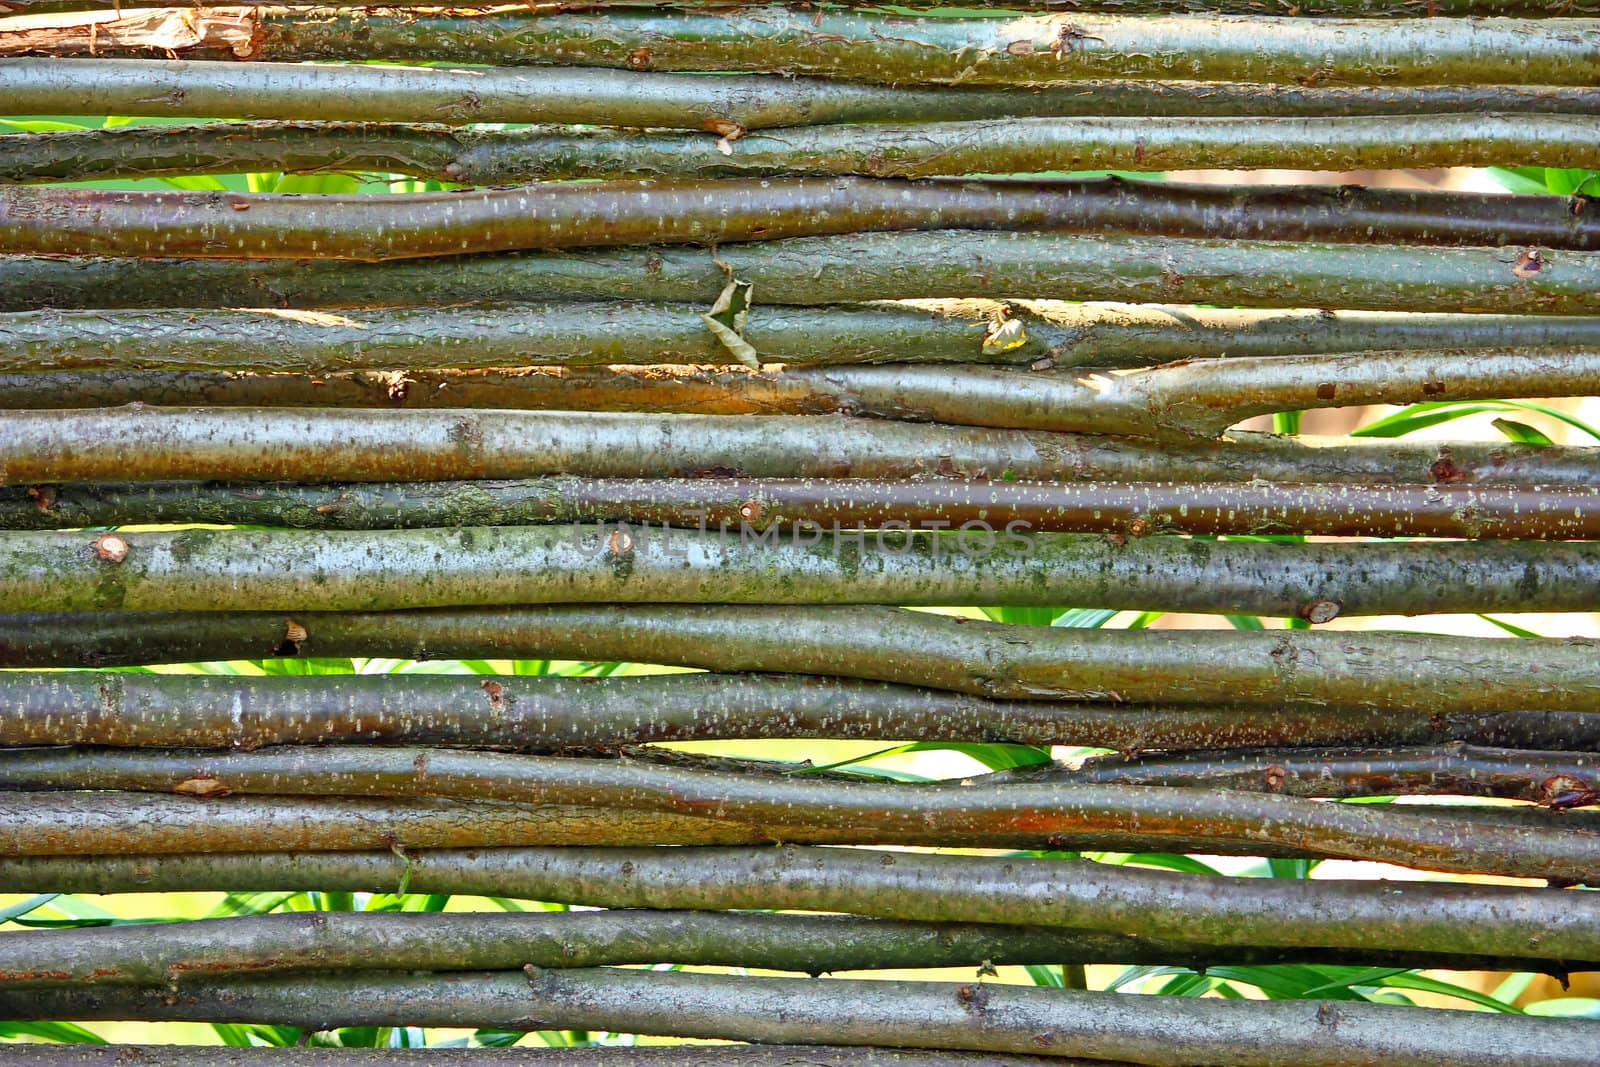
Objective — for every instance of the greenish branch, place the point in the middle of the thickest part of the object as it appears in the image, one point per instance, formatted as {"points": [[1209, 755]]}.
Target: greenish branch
{"points": [[919, 150], [1266, 668], [1160, 905], [266, 340], [1457, 770], [858, 45], [830, 270], [200, 952], [994, 1018], [989, 563], [604, 97], [60, 221], [876, 812], [554, 712], [363, 445], [1130, 509], [693, 1055]]}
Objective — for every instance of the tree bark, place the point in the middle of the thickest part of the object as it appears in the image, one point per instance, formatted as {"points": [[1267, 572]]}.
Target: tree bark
{"points": [[554, 712], [193, 954], [1201, 398], [44, 1055], [989, 563], [227, 341], [112, 823], [1454, 770], [1268, 668], [875, 812], [830, 270], [1161, 905], [213, 225], [599, 96], [308, 445], [1161, 1031], [1127, 508], [920, 150], [1310, 9], [862, 46]]}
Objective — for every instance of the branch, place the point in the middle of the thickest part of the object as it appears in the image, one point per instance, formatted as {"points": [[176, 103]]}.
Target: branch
{"points": [[197, 953], [1317, 669], [830, 270], [554, 712], [861, 46], [375, 445], [44, 1055], [107, 823], [990, 563], [1163, 905], [920, 150], [1201, 398], [365, 228], [158, 444], [602, 97], [1310, 9], [1454, 770], [227, 341], [875, 812], [510, 335], [1128, 508], [994, 1018]]}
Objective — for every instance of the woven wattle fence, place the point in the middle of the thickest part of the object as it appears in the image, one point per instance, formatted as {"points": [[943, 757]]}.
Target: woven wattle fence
{"points": [[718, 338]]}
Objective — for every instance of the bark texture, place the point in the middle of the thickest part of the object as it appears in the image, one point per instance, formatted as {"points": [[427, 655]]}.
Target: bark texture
{"points": [[857, 45], [554, 713], [1144, 903], [1165, 1032], [389, 570], [828, 270], [605, 97], [1134, 509], [313, 445], [229, 341], [1263, 668], [1023, 143]]}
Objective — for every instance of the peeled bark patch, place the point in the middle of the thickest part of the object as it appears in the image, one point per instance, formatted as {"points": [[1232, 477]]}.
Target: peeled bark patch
{"points": [[169, 31]]}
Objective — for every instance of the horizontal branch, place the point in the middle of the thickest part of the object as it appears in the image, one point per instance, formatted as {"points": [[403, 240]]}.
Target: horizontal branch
{"points": [[356, 445], [378, 445], [111, 823], [46, 1055], [920, 150], [261, 340], [863, 46], [596, 96], [60, 221], [1457, 770], [992, 563], [1200, 398], [1162, 905], [1127, 508], [227, 341], [1320, 669], [829, 270], [973, 809], [194, 953], [993, 1018], [887, 266], [554, 712], [624, 444], [105, 823], [1308, 9]]}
